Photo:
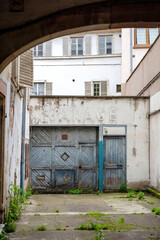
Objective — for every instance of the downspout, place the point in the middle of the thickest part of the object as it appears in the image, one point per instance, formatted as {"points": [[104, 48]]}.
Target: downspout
{"points": [[131, 60], [23, 140]]}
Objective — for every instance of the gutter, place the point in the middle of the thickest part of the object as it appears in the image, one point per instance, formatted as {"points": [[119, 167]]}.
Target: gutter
{"points": [[23, 140]]}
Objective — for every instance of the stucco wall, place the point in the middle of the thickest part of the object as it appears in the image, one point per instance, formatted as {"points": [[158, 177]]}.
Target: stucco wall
{"points": [[90, 111], [155, 140], [12, 146], [145, 79]]}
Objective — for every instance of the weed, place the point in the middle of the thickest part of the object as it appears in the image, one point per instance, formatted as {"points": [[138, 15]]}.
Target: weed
{"points": [[156, 210], [75, 191], [92, 226], [150, 202], [10, 227], [3, 235], [130, 199], [37, 214], [57, 210], [59, 229], [121, 220], [41, 228], [99, 236], [140, 196], [95, 214], [39, 204], [131, 193], [142, 213], [91, 191], [123, 188], [35, 193], [99, 192]]}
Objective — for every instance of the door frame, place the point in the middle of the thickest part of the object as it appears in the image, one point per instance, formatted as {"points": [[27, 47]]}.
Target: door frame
{"points": [[101, 149], [2, 141]]}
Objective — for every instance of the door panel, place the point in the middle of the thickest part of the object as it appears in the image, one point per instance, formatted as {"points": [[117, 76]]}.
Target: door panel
{"points": [[114, 162], [41, 177], [87, 166], [65, 156]]}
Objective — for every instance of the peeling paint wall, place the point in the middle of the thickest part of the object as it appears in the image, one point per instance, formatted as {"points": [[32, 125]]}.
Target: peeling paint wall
{"points": [[74, 111], [12, 146]]}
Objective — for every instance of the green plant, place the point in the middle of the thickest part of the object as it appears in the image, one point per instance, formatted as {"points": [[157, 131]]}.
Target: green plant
{"points": [[41, 228], [3, 235], [75, 191], [131, 193], [59, 228], [130, 199], [92, 226], [150, 202], [140, 196], [155, 208], [37, 214], [39, 204], [10, 227], [99, 192], [91, 191], [99, 236], [57, 210], [121, 220], [123, 187], [95, 214]]}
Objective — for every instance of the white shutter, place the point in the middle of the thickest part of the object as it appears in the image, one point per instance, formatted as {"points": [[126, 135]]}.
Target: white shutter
{"points": [[103, 88], [26, 69], [87, 88], [49, 88], [65, 46], [88, 45], [48, 48]]}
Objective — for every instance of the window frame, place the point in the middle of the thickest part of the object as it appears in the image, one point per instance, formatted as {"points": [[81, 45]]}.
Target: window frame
{"points": [[35, 49], [147, 38], [37, 90], [96, 82], [104, 35], [76, 38]]}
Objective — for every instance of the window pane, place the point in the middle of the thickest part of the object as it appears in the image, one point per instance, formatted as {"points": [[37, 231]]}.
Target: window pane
{"points": [[109, 51], [34, 51], [74, 40], [102, 39], [34, 89], [80, 52], [109, 39], [153, 33], [80, 40], [41, 89], [141, 36], [73, 52]]}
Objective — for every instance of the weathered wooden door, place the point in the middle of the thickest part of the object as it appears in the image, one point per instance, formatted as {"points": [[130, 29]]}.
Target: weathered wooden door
{"points": [[87, 166], [114, 162]]}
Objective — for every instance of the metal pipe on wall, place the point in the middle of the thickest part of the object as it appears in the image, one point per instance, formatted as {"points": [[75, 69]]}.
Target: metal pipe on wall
{"points": [[23, 139], [131, 60]]}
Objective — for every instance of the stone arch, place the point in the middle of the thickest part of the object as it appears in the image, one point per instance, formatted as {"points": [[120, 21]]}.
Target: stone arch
{"points": [[109, 15]]}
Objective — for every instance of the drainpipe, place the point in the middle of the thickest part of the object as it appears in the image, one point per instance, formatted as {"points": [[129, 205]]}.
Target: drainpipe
{"points": [[131, 60], [23, 140]]}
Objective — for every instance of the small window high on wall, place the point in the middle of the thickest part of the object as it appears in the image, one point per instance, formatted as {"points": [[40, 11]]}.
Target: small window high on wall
{"points": [[145, 36], [76, 46], [38, 89], [105, 45], [38, 50]]}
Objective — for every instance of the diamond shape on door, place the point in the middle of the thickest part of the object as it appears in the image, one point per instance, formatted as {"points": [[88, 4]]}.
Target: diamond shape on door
{"points": [[64, 156]]}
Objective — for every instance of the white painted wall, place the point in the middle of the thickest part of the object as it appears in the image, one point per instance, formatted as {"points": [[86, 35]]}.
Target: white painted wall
{"points": [[155, 141], [89, 110], [137, 53], [62, 70]]}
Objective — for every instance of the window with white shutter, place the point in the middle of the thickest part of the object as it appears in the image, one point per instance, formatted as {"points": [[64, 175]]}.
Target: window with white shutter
{"points": [[87, 45], [65, 46], [26, 69], [48, 48], [48, 88], [103, 88], [87, 88]]}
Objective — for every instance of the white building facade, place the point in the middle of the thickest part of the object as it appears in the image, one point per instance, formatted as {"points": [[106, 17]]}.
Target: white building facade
{"points": [[82, 64]]}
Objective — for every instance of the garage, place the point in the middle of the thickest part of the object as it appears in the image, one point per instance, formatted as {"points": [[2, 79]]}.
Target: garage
{"points": [[62, 158]]}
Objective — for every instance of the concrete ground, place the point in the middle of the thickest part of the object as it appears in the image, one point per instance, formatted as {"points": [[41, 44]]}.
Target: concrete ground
{"points": [[61, 213]]}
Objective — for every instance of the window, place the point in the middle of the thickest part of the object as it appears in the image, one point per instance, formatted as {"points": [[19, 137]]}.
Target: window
{"points": [[118, 88], [96, 88], [145, 36], [105, 45], [38, 89], [76, 46], [38, 50]]}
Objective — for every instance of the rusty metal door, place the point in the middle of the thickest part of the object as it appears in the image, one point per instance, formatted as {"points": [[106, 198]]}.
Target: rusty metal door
{"points": [[87, 166], [114, 162]]}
